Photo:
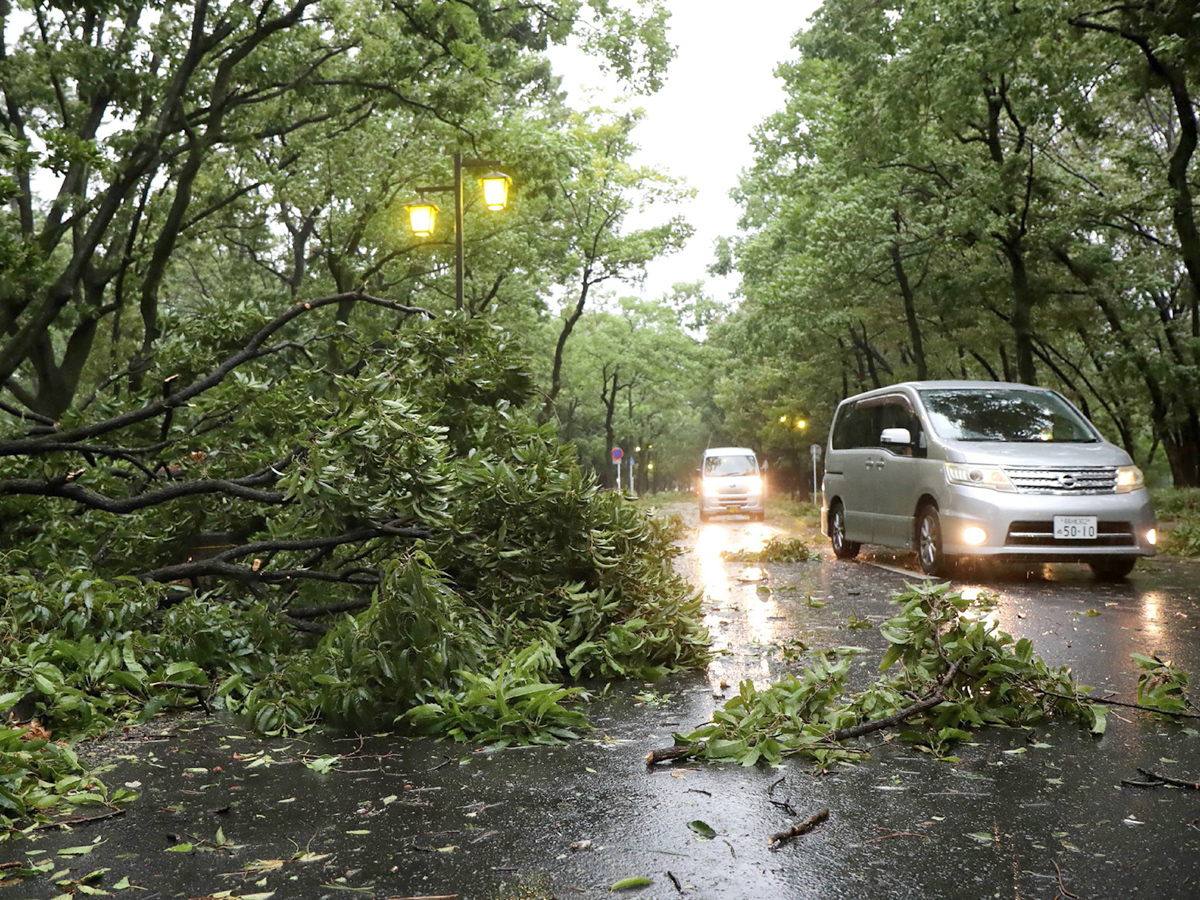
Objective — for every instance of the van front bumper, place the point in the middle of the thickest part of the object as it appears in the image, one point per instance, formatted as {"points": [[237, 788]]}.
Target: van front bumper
{"points": [[1021, 526], [745, 504]]}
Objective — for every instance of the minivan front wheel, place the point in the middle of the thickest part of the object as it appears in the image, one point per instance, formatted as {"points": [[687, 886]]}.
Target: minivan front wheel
{"points": [[929, 543], [842, 548]]}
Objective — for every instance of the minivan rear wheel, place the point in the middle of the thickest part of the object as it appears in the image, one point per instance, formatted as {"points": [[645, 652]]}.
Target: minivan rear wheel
{"points": [[842, 548], [1113, 568], [929, 543]]}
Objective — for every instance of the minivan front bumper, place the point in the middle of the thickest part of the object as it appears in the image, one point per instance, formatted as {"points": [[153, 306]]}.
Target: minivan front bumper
{"points": [[1020, 526]]}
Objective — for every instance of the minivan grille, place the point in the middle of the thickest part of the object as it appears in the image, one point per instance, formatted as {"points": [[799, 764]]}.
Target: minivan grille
{"points": [[1059, 480], [1041, 534]]}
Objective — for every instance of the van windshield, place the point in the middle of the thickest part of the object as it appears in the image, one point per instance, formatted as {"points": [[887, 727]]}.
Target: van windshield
{"points": [[730, 465], [999, 414]]}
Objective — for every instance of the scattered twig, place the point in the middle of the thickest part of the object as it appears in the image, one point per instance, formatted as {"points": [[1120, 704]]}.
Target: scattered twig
{"points": [[1062, 887], [1167, 779], [699, 791], [1141, 784], [781, 837], [776, 783], [785, 805], [666, 754], [896, 834], [72, 821], [675, 881]]}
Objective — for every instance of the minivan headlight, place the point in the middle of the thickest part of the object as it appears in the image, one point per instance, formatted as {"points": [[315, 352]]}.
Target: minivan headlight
{"points": [[754, 485], [711, 488], [1129, 478], [978, 476]]}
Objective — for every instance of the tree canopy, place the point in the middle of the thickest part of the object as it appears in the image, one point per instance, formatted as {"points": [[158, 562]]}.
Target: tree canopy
{"points": [[980, 190]]}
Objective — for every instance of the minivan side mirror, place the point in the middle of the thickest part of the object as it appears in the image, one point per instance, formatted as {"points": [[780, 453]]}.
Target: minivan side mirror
{"points": [[893, 436]]}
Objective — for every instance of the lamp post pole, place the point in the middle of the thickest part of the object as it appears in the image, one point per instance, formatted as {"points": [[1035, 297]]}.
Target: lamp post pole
{"points": [[457, 190], [458, 231]]}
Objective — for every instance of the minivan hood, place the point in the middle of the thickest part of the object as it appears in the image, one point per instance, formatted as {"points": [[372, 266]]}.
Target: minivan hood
{"points": [[1028, 453]]}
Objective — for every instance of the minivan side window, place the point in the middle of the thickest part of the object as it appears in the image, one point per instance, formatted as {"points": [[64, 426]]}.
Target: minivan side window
{"points": [[842, 428], [897, 412]]}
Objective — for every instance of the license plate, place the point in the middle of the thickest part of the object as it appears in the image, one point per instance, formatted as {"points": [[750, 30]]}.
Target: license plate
{"points": [[1074, 528], [733, 509]]}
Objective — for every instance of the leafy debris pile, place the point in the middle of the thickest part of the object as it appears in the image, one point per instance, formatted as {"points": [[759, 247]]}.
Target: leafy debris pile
{"points": [[776, 550], [948, 670]]}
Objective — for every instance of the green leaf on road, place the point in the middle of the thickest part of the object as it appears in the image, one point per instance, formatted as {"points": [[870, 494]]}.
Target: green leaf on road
{"points": [[703, 829], [626, 884]]}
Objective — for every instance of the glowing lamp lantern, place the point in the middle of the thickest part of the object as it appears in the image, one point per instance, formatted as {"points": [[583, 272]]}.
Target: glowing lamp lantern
{"points": [[422, 216], [495, 190]]}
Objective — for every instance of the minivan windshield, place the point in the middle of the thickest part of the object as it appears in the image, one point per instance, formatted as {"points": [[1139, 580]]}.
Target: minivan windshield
{"points": [[729, 465], [1002, 414]]}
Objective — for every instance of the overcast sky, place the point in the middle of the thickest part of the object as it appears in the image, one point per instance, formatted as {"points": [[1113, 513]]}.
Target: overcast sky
{"points": [[718, 89]]}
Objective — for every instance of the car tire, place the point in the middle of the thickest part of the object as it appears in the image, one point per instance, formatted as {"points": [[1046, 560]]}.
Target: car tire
{"points": [[758, 517], [704, 517], [842, 548], [929, 543], [1113, 568]]}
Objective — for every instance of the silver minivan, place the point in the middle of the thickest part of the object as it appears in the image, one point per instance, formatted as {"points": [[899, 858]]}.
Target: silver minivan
{"points": [[979, 468]]}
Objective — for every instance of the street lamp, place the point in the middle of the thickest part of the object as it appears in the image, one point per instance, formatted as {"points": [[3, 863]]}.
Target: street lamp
{"points": [[422, 214]]}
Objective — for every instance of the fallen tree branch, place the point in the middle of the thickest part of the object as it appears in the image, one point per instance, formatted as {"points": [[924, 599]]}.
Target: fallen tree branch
{"points": [[221, 564], [927, 702], [60, 441], [66, 488], [180, 686], [842, 734], [1179, 714], [312, 612], [782, 837]]}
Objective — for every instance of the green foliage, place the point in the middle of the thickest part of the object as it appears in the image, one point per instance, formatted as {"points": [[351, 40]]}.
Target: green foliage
{"points": [[1177, 504], [776, 550], [1181, 508], [530, 575], [939, 640], [37, 774], [1161, 685], [1183, 540], [501, 709]]}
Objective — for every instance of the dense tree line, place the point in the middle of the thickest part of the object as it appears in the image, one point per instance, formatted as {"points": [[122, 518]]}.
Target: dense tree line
{"points": [[979, 189]]}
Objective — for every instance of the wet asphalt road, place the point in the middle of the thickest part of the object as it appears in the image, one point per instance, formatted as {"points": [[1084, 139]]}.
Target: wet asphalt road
{"points": [[399, 818]]}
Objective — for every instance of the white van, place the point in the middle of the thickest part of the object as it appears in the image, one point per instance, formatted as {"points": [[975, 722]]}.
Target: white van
{"points": [[982, 468], [731, 482]]}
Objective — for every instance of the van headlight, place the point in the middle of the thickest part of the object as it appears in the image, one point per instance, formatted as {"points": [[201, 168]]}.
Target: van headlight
{"points": [[711, 489], [978, 476], [754, 485], [1129, 478]]}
